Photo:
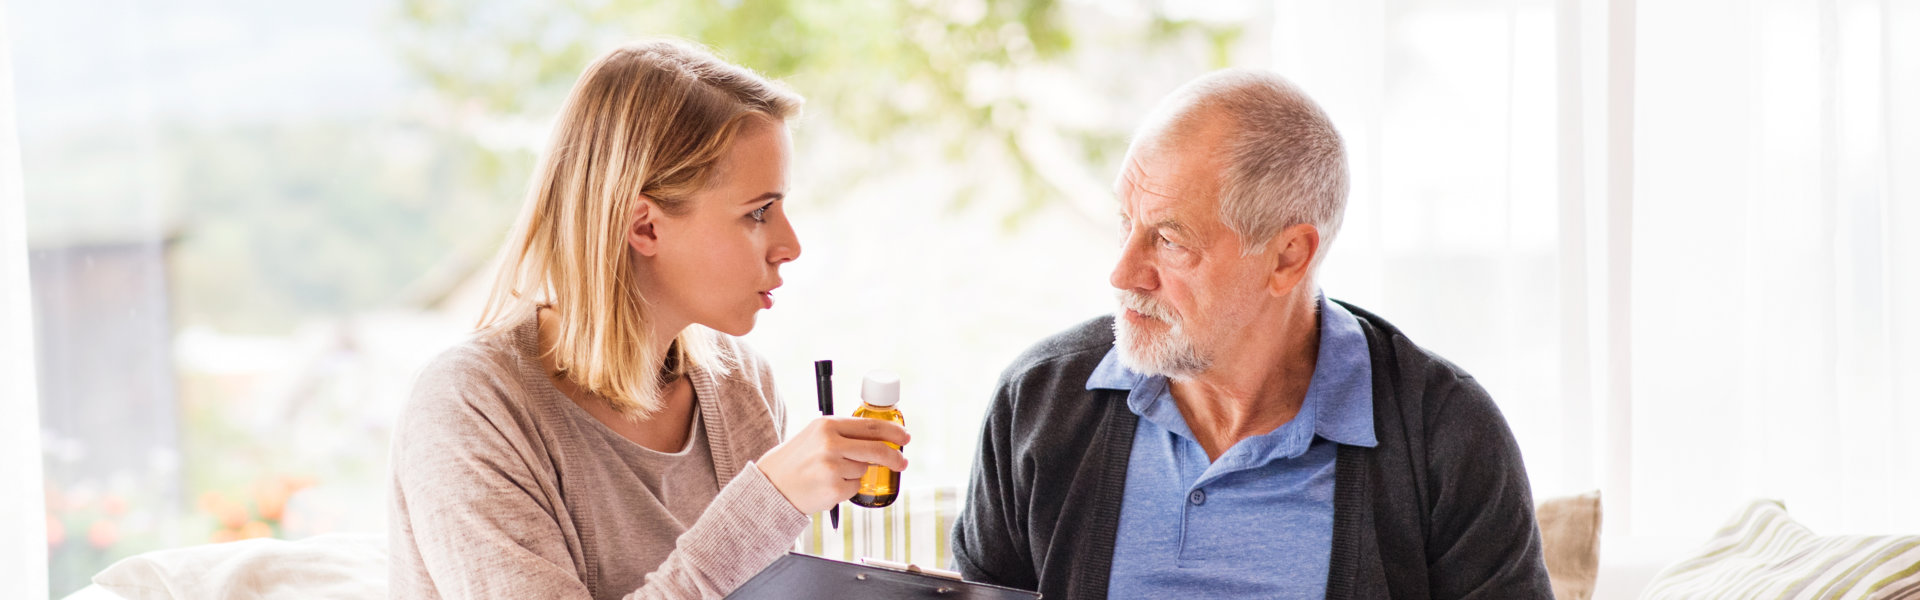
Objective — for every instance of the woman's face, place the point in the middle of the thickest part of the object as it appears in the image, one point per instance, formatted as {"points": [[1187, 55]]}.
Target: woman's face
{"points": [[717, 264]]}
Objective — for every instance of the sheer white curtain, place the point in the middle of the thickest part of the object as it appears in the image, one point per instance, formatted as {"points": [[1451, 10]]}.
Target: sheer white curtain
{"points": [[23, 535], [1674, 238], [1775, 272], [1449, 113]]}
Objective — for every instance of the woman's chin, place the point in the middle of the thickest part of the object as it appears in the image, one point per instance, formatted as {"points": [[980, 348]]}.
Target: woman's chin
{"points": [[737, 327]]}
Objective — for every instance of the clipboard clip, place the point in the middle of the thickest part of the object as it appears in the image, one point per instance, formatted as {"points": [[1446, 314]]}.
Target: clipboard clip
{"points": [[909, 568]]}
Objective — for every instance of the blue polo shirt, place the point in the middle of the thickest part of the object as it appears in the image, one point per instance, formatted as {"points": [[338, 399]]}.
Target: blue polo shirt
{"points": [[1258, 523]]}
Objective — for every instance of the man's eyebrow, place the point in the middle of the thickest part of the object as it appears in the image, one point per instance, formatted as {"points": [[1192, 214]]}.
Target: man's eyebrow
{"points": [[1173, 226], [1165, 224]]}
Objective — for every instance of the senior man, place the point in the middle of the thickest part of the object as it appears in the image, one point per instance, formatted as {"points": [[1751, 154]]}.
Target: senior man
{"points": [[1231, 432]]}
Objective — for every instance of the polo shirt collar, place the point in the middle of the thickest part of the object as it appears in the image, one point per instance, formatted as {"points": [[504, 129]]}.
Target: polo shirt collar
{"points": [[1339, 402]]}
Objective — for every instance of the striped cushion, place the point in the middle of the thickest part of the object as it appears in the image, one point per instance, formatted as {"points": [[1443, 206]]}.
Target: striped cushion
{"points": [[1763, 553]]}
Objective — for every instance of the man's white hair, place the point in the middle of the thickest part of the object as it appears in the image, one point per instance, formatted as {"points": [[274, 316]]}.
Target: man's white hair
{"points": [[1284, 163]]}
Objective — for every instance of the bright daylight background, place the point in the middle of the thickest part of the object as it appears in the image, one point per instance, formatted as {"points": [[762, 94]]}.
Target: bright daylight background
{"points": [[1674, 238]]}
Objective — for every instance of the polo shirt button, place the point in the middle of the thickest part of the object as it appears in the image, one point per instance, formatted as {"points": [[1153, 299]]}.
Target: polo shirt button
{"points": [[1198, 497]]}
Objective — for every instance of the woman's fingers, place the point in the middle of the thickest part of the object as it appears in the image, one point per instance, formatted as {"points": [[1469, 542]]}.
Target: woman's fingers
{"points": [[851, 470], [874, 453], [822, 464], [868, 429]]}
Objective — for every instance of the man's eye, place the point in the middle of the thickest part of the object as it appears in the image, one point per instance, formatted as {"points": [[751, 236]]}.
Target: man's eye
{"points": [[1168, 243]]}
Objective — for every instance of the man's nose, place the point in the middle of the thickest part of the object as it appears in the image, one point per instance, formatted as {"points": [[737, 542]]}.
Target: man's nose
{"points": [[1132, 272]]}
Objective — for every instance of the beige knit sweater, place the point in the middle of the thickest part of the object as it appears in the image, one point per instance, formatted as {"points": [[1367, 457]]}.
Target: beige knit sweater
{"points": [[502, 488]]}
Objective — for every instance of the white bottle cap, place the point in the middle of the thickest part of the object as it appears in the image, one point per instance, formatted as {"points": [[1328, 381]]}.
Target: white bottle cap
{"points": [[881, 388]]}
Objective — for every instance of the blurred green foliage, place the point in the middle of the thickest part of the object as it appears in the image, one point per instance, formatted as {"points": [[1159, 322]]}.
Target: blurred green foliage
{"points": [[289, 220], [879, 70], [870, 60], [283, 219]]}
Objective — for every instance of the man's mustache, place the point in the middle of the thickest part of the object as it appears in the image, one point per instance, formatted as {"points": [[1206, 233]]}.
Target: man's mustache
{"points": [[1145, 305]]}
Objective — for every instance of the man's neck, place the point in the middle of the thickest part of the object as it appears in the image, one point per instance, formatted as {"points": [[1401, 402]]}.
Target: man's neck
{"points": [[1255, 385]]}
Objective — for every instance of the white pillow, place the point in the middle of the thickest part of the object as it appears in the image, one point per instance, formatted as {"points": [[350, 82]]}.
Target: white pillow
{"points": [[93, 592], [325, 566]]}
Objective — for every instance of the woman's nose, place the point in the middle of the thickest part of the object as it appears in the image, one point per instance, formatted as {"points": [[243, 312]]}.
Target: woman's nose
{"points": [[786, 247]]}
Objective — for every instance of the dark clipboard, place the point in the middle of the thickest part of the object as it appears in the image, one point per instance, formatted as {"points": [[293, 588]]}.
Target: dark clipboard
{"points": [[803, 577]]}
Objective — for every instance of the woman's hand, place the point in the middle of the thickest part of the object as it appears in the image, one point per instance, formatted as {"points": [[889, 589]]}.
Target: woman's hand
{"points": [[821, 465]]}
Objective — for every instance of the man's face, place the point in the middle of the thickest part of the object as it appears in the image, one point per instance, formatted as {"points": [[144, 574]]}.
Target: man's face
{"points": [[1183, 287]]}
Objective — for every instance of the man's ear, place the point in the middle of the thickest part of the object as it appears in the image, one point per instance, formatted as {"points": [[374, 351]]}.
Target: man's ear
{"points": [[641, 236], [1293, 251]]}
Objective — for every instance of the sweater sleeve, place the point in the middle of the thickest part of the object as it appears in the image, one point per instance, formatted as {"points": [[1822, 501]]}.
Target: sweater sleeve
{"points": [[473, 515], [470, 518], [746, 528], [1483, 542], [988, 537]]}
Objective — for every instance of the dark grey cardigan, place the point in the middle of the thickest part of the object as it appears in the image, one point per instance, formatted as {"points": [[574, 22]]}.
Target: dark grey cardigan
{"points": [[1439, 509]]}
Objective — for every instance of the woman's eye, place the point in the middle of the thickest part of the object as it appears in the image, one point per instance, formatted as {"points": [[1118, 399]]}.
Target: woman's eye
{"points": [[760, 214]]}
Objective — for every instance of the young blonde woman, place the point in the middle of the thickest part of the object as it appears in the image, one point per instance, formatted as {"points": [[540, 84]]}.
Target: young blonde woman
{"points": [[604, 435]]}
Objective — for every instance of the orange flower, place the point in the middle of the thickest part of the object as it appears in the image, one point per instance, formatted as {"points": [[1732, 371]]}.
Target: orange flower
{"points": [[104, 534], [271, 498], [233, 516], [256, 529], [223, 535], [295, 484], [211, 501], [56, 532], [114, 505]]}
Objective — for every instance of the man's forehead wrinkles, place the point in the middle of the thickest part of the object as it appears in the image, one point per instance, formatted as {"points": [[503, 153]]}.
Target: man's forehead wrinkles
{"points": [[1136, 176]]}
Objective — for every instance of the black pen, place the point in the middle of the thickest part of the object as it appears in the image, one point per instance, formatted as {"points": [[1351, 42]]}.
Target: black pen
{"points": [[823, 384]]}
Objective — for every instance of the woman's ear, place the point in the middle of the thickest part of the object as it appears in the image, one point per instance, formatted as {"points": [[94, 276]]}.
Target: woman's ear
{"points": [[641, 236]]}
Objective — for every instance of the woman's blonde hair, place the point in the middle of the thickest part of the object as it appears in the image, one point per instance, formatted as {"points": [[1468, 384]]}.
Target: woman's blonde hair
{"points": [[647, 119]]}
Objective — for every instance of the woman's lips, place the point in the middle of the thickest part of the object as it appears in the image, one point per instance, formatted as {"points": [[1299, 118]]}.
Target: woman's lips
{"points": [[766, 299]]}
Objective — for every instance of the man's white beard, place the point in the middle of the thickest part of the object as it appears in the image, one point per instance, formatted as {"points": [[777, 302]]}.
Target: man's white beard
{"points": [[1171, 354]]}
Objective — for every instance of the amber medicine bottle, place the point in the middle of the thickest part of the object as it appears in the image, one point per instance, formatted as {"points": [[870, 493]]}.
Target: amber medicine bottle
{"points": [[879, 399]]}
